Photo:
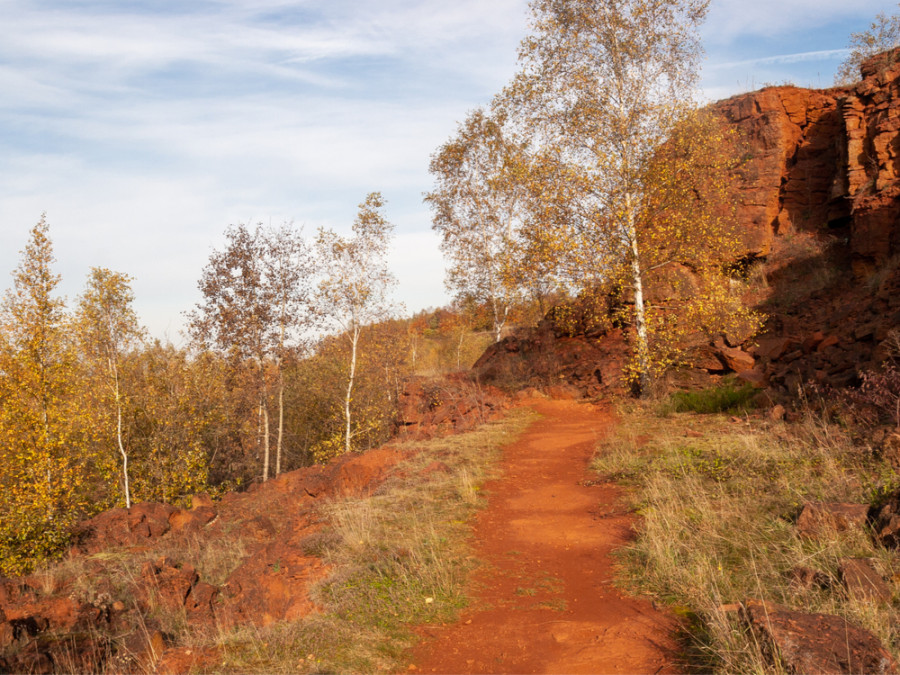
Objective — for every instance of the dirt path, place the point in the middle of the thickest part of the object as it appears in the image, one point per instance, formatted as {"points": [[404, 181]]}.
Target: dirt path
{"points": [[544, 602]]}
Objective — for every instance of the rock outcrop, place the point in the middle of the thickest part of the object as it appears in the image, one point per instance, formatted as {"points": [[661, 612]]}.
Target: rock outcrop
{"points": [[452, 404], [818, 201]]}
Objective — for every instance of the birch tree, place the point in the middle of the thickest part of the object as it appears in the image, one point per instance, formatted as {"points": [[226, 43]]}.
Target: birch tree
{"points": [[109, 327], [601, 86], [881, 36], [356, 285], [289, 270], [475, 206], [44, 422], [256, 306], [237, 314]]}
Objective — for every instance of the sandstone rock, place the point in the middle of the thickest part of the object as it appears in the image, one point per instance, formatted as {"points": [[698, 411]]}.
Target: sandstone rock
{"points": [[862, 581], [705, 358], [806, 577], [774, 347], [167, 583], [200, 599], [736, 359], [589, 358], [819, 517], [829, 341], [887, 522], [816, 643], [271, 585], [123, 527], [193, 520]]}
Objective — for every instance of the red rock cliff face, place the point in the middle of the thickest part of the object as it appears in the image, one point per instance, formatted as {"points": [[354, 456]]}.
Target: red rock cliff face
{"points": [[823, 160], [819, 196]]}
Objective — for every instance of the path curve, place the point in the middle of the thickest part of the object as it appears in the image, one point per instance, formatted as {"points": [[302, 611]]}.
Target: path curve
{"points": [[544, 601]]}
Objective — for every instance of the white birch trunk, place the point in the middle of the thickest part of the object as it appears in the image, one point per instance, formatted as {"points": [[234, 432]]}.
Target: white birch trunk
{"points": [[354, 340], [280, 421], [642, 347], [119, 437], [264, 409]]}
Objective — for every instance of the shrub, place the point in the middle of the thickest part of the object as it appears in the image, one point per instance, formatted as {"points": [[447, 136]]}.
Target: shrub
{"points": [[727, 397]]}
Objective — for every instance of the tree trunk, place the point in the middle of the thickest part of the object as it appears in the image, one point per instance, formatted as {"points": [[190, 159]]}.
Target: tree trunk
{"points": [[280, 420], [265, 418], [642, 346], [354, 340], [119, 438], [498, 321]]}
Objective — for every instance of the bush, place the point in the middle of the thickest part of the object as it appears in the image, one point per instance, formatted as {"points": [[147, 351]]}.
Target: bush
{"points": [[728, 397]]}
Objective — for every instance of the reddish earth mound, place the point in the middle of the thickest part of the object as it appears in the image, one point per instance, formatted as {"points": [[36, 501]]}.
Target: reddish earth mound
{"points": [[250, 558], [103, 621], [452, 404]]}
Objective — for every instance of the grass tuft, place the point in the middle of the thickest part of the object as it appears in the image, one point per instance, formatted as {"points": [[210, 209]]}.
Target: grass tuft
{"points": [[719, 500], [728, 397]]}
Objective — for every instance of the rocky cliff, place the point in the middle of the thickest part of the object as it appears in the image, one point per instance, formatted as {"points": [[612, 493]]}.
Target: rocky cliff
{"points": [[823, 161], [818, 201]]}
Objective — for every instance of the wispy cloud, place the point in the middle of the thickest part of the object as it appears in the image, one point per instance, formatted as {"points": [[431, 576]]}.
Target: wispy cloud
{"points": [[731, 20], [144, 128], [785, 59]]}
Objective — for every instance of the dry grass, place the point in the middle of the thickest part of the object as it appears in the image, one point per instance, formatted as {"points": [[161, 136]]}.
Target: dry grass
{"points": [[398, 558], [718, 523]]}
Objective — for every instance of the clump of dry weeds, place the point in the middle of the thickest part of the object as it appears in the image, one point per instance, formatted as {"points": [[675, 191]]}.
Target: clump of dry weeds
{"points": [[719, 498]]}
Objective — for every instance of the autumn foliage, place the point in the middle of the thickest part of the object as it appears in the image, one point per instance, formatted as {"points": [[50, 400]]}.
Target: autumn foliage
{"points": [[94, 414]]}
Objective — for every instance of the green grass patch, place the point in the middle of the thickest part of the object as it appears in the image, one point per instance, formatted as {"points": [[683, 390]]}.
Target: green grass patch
{"points": [[719, 501], [729, 397]]}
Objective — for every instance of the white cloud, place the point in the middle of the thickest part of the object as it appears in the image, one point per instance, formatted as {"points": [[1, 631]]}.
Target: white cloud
{"points": [[782, 59], [144, 132], [731, 20]]}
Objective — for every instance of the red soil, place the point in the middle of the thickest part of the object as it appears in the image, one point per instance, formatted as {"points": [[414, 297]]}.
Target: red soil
{"points": [[544, 601]]}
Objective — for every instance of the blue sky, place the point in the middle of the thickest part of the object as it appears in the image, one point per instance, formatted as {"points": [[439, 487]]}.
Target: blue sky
{"points": [[143, 128]]}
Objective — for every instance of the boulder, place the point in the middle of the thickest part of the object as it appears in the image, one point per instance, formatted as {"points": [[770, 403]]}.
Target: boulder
{"points": [[862, 581], [816, 643], [817, 518], [123, 527], [887, 522], [167, 583], [735, 359], [805, 577]]}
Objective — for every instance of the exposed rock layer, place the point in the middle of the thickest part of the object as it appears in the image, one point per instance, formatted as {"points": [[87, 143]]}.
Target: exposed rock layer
{"points": [[818, 200]]}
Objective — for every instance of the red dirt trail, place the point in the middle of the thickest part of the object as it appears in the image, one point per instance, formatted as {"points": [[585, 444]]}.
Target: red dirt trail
{"points": [[544, 601]]}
